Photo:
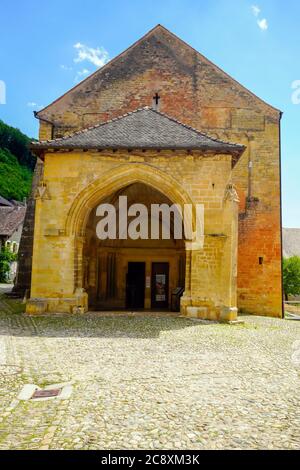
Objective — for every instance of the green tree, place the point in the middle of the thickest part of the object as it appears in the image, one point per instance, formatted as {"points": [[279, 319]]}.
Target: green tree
{"points": [[16, 163], [15, 179], [291, 276], [17, 143], [6, 257]]}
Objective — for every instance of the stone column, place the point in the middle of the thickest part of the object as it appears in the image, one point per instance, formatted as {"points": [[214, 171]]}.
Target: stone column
{"points": [[79, 291], [186, 298], [229, 261]]}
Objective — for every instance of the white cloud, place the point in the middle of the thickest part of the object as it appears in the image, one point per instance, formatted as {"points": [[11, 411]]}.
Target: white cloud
{"points": [[80, 74], [263, 24], [33, 104], [296, 93], [65, 67], [83, 72], [2, 92], [255, 10], [96, 56]]}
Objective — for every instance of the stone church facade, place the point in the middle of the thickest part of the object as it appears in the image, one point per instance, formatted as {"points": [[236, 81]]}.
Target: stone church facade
{"points": [[159, 123]]}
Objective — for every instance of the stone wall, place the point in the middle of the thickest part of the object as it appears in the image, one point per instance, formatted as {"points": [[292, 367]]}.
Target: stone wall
{"points": [[198, 93], [75, 182], [23, 278]]}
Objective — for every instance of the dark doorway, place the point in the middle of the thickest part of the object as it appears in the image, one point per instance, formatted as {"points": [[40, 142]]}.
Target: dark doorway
{"points": [[135, 285], [160, 285]]}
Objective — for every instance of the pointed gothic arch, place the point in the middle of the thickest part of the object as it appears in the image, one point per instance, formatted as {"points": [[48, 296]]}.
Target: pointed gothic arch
{"points": [[116, 179]]}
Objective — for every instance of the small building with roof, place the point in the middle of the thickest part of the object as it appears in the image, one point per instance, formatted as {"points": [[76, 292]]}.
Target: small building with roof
{"points": [[12, 214]]}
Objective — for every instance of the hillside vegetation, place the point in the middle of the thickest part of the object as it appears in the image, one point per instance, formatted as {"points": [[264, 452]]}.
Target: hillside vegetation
{"points": [[16, 163]]}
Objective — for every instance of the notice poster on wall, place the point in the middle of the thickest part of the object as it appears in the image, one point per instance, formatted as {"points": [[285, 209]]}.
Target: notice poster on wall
{"points": [[160, 287]]}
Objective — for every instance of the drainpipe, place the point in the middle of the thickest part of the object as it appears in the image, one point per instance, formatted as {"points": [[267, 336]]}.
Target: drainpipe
{"points": [[250, 167], [35, 113]]}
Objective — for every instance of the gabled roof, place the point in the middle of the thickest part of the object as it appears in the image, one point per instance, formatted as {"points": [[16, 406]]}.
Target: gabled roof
{"points": [[144, 128], [5, 202], [11, 217], [106, 69]]}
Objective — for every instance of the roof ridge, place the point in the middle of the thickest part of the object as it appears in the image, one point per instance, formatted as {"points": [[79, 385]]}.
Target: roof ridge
{"points": [[90, 128], [217, 67], [186, 44], [131, 46], [145, 108], [193, 128]]}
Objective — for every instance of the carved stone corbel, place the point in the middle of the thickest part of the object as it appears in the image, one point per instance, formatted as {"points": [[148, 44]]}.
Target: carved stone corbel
{"points": [[231, 193]]}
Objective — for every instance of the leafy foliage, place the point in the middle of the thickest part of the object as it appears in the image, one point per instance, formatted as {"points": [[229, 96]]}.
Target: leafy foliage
{"points": [[291, 276], [17, 143], [16, 163], [15, 179], [6, 257]]}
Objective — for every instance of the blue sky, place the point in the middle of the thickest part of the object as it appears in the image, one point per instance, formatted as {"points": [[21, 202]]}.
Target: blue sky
{"points": [[257, 46]]}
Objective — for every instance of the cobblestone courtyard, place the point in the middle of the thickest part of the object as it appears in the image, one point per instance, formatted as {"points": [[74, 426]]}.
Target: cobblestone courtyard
{"points": [[149, 383]]}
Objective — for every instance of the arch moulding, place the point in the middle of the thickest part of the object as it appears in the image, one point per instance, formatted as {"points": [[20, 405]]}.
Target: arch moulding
{"points": [[116, 179]]}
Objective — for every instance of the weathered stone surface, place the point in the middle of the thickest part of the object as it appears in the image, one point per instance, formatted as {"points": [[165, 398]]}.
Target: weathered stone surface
{"points": [[36, 306], [198, 93], [23, 280], [77, 182]]}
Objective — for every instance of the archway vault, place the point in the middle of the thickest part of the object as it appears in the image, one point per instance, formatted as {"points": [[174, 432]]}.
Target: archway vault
{"points": [[116, 179]]}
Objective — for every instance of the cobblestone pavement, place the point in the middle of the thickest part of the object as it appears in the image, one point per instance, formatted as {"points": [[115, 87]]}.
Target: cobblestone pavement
{"points": [[149, 382]]}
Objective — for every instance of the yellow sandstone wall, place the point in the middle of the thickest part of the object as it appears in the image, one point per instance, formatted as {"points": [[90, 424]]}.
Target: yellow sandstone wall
{"points": [[197, 93], [69, 175]]}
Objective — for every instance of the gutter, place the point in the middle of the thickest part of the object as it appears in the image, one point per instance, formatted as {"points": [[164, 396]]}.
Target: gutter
{"points": [[35, 113]]}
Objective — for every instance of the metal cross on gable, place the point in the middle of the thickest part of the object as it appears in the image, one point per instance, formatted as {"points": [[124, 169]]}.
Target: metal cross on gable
{"points": [[156, 98]]}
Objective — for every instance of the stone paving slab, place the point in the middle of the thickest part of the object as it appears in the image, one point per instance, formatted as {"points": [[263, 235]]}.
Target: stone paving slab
{"points": [[149, 382]]}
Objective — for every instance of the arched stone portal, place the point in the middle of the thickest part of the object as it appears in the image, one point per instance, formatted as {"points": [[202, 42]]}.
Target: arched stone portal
{"points": [[70, 267], [116, 179], [132, 273], [112, 183]]}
